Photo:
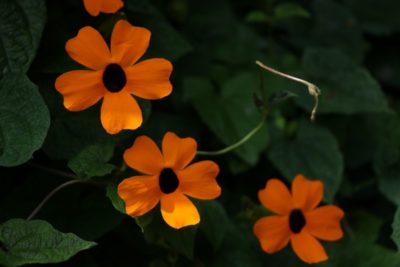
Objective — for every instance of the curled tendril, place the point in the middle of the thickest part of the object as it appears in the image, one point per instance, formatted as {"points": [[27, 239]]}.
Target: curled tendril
{"points": [[313, 90]]}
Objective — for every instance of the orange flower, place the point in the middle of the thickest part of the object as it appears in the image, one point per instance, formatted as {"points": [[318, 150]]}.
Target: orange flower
{"points": [[94, 7], [168, 179], [113, 75], [298, 219]]}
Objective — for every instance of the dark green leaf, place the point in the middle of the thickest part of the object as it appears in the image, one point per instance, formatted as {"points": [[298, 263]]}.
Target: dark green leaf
{"points": [[231, 114], [213, 221], [387, 158], [21, 25], [360, 250], [27, 242], [237, 249], [290, 10], [24, 119], [377, 17], [336, 27], [231, 50], [92, 161], [346, 88], [314, 153], [157, 231], [166, 41], [116, 201], [396, 228], [258, 16], [77, 130]]}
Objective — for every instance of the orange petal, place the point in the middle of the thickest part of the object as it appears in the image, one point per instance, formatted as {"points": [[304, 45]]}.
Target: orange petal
{"points": [[120, 111], [178, 211], [276, 197], [111, 6], [128, 43], [144, 156], [89, 49], [273, 233], [149, 79], [92, 6], [80, 88], [306, 194], [307, 248], [178, 152], [199, 180], [140, 194], [324, 222]]}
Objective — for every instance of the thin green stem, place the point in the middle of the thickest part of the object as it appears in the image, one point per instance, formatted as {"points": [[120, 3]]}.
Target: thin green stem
{"points": [[237, 144], [52, 193], [66, 175], [73, 179], [56, 172]]}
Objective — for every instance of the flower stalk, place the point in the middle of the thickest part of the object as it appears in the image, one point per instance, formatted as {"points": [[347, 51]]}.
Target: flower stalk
{"points": [[313, 90], [50, 195], [242, 141]]}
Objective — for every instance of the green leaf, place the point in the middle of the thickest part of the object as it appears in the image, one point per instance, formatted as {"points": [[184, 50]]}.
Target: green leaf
{"points": [[158, 232], [376, 17], [24, 119], [290, 10], [396, 228], [116, 201], [231, 50], [166, 41], [213, 221], [315, 153], [346, 88], [336, 27], [236, 258], [359, 145], [360, 250], [257, 16], [92, 161], [237, 249], [21, 25], [230, 114], [387, 158], [77, 130], [28, 242]]}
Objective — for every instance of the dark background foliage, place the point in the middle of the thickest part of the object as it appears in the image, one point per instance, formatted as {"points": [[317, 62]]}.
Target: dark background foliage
{"points": [[348, 48]]}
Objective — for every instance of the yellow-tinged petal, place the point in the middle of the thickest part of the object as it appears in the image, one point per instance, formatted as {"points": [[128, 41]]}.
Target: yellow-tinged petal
{"points": [[324, 222], [178, 211], [120, 111], [89, 49], [307, 248], [273, 232], [140, 194], [144, 156], [178, 152], [80, 88], [198, 180], [128, 43], [276, 197], [307, 194], [149, 79]]}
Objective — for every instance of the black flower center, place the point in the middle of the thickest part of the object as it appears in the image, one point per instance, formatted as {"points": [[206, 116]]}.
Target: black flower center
{"points": [[296, 221], [168, 181], [114, 78]]}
